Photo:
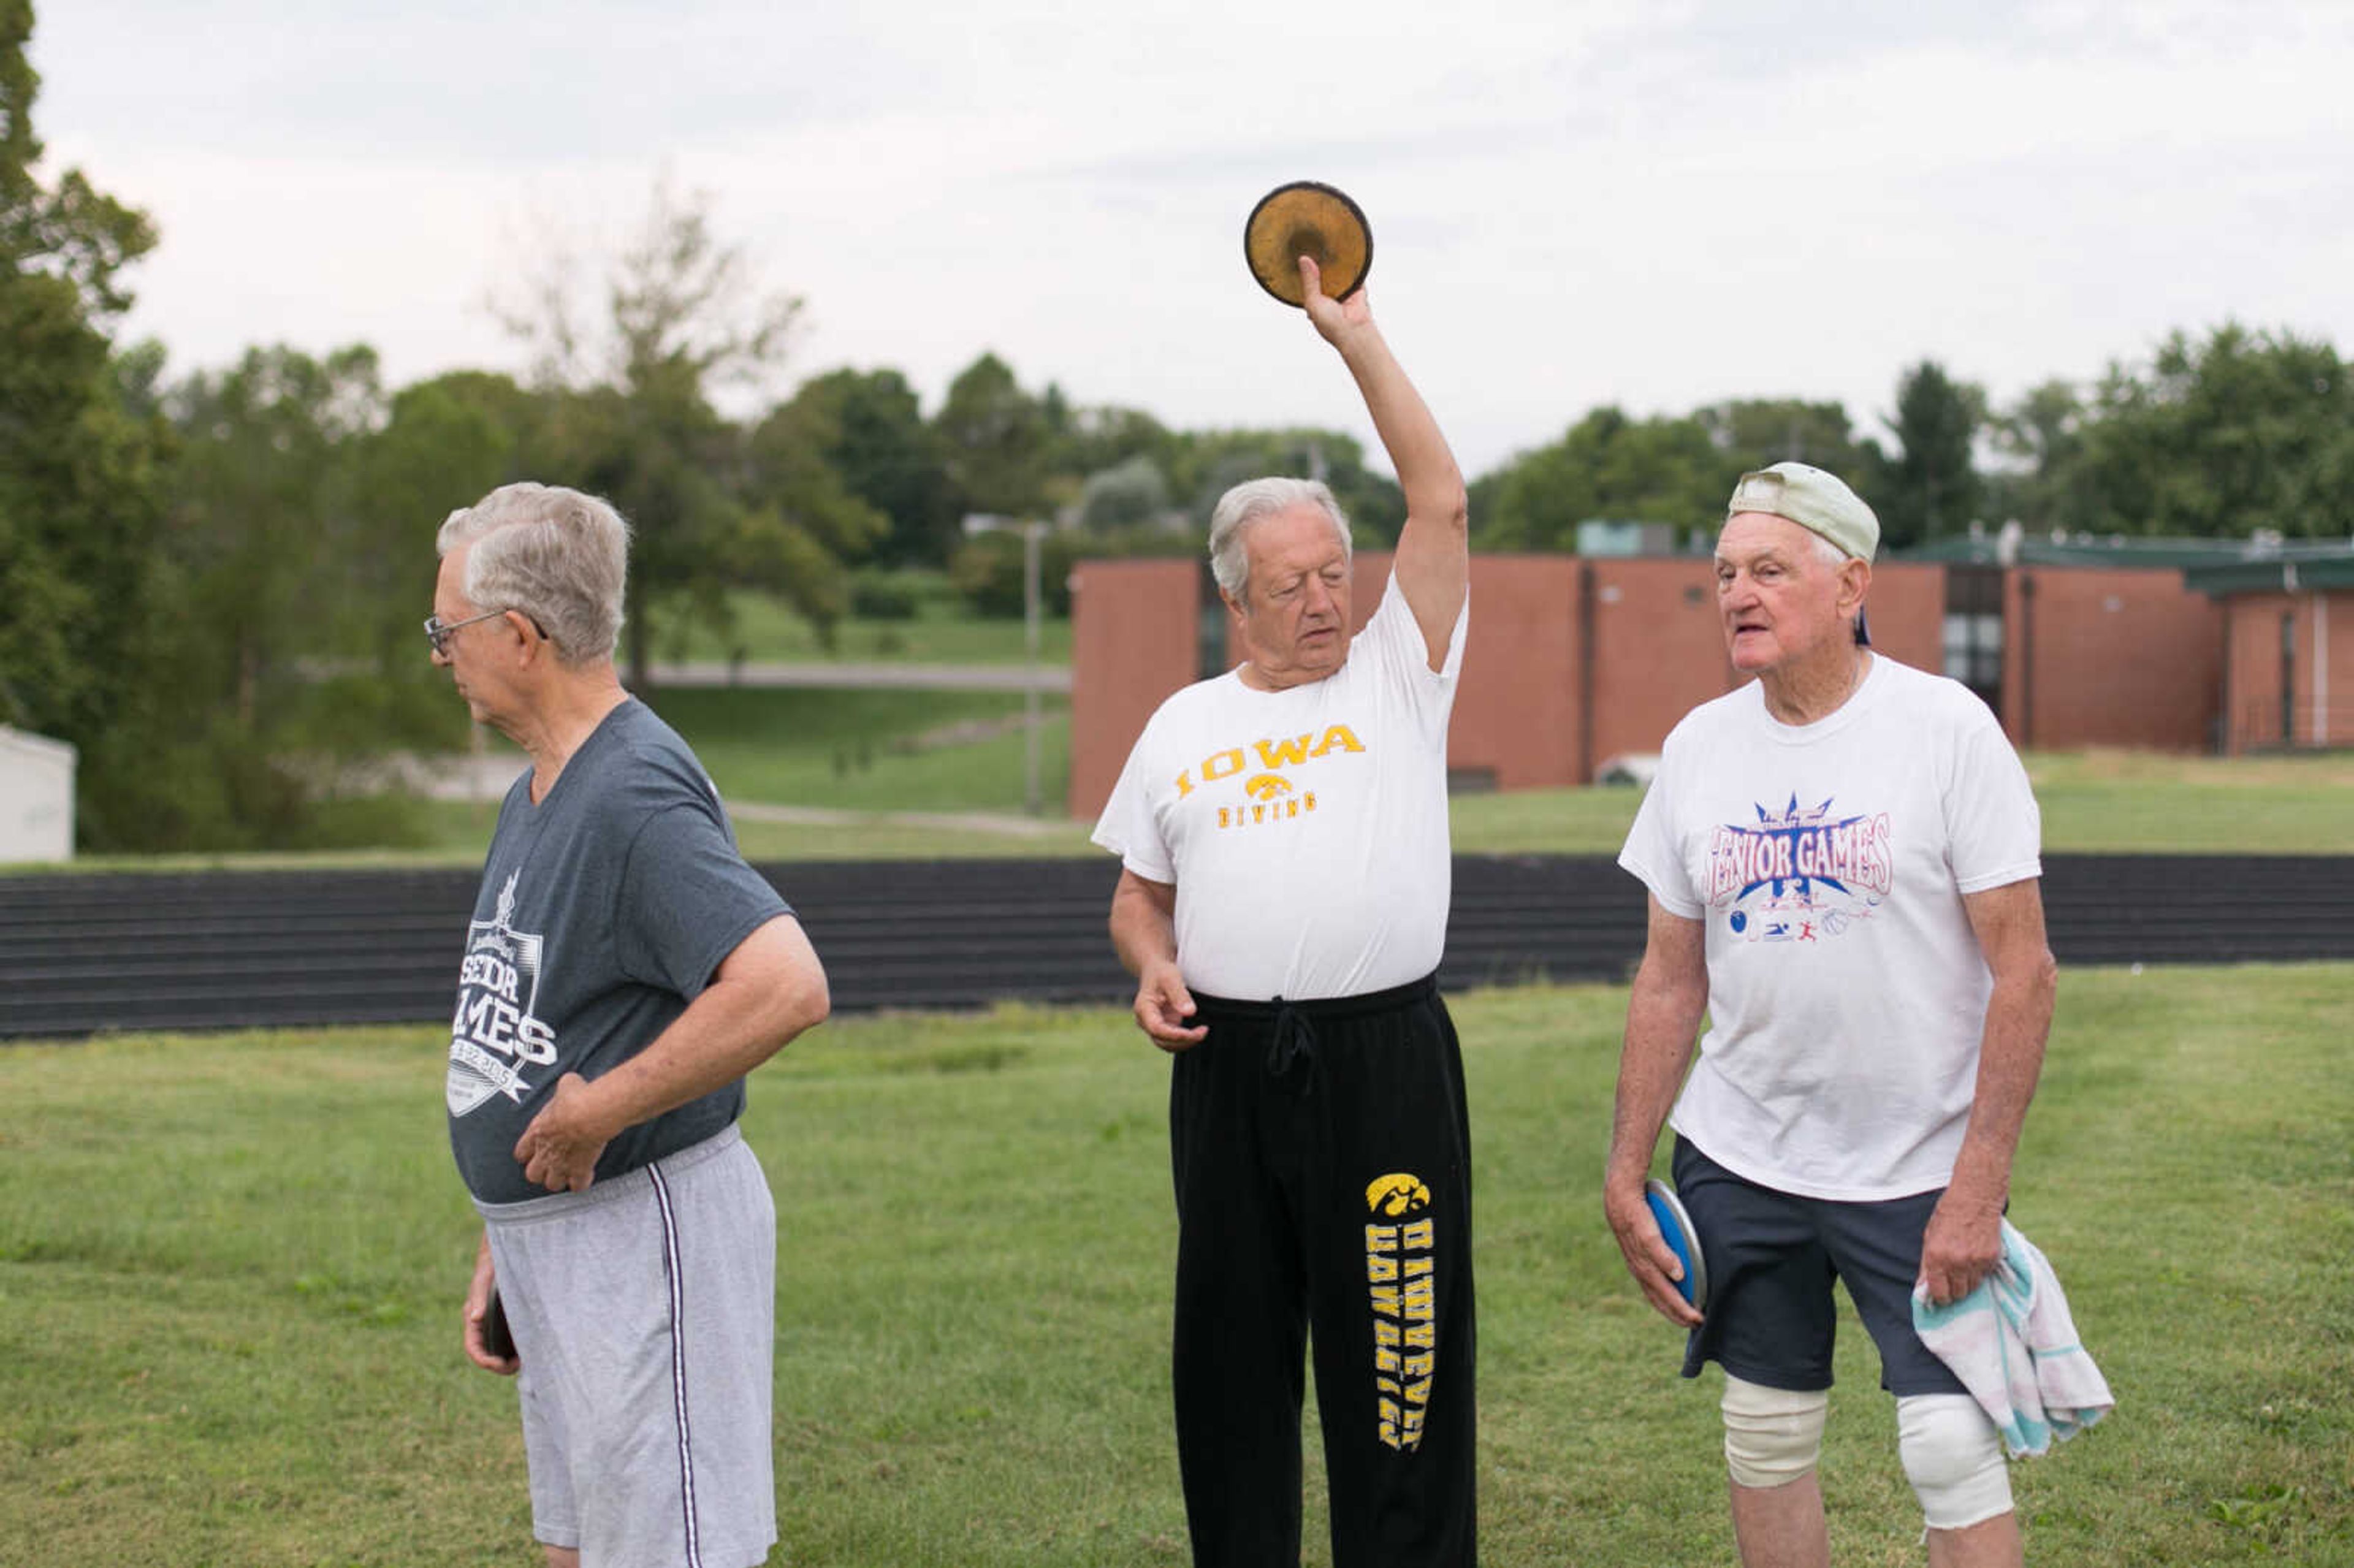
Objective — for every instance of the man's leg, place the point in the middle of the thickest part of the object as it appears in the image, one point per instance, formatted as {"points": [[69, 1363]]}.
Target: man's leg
{"points": [[1992, 1543], [1240, 1333], [1953, 1456], [1951, 1452], [1782, 1526], [1391, 1290], [562, 1557], [1772, 1438], [1771, 1324]]}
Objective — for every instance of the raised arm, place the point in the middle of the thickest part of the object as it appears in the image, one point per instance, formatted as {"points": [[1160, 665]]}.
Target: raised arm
{"points": [[1965, 1236], [1433, 560], [1663, 1015]]}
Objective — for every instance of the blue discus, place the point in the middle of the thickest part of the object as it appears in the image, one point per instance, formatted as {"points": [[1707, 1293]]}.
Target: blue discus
{"points": [[1676, 1228]]}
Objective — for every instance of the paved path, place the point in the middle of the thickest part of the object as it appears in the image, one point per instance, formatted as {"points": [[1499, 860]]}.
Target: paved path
{"points": [[868, 677]]}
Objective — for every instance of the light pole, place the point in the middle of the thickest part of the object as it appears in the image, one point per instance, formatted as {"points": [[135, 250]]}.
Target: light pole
{"points": [[1032, 608], [1033, 533]]}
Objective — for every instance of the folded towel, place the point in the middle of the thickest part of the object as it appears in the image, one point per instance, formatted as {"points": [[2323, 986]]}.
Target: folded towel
{"points": [[2012, 1344]]}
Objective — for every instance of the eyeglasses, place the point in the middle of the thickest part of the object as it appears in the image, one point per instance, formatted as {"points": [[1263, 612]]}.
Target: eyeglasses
{"points": [[438, 633]]}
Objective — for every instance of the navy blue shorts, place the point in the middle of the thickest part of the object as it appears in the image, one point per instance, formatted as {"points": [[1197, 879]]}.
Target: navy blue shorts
{"points": [[1771, 1259]]}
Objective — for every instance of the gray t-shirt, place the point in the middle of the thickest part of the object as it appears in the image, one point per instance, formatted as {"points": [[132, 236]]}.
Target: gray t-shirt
{"points": [[604, 910]]}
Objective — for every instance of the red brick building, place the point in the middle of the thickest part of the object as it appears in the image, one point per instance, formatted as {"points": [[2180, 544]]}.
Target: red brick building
{"points": [[1573, 660], [2285, 682]]}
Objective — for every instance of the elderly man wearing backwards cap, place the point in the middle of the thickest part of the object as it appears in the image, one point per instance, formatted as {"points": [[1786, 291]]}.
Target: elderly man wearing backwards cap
{"points": [[1843, 862]]}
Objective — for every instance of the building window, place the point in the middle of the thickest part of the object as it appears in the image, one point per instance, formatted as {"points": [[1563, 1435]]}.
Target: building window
{"points": [[1974, 631]]}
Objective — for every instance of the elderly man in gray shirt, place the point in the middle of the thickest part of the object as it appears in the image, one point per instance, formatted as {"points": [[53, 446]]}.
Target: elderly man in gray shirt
{"points": [[623, 971]]}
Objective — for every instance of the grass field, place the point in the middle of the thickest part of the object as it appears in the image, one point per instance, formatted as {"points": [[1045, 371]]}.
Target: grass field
{"points": [[229, 1270], [880, 754]]}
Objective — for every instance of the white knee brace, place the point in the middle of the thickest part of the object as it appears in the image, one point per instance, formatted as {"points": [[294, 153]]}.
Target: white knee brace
{"points": [[1953, 1456], [1772, 1436]]}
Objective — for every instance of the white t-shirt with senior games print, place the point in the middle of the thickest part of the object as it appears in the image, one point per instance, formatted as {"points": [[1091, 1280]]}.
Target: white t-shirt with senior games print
{"points": [[1305, 829], [1846, 990]]}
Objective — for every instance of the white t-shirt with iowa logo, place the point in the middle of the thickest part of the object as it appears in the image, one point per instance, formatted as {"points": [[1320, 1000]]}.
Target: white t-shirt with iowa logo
{"points": [[1846, 990], [1305, 829]]}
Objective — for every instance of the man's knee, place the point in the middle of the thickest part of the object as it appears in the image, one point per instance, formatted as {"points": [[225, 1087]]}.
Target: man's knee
{"points": [[1953, 1456], [1772, 1436]]}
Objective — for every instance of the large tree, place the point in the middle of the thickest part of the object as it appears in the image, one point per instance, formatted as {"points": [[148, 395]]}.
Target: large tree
{"points": [[2041, 437], [806, 520], [1608, 465], [680, 314], [1932, 485], [1203, 464], [998, 441], [877, 440], [2239, 431], [1757, 432], [77, 484]]}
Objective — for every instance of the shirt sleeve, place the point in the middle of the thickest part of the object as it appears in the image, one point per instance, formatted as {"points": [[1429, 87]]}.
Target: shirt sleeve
{"points": [[1653, 853], [686, 901], [1127, 827], [1994, 829], [1394, 639]]}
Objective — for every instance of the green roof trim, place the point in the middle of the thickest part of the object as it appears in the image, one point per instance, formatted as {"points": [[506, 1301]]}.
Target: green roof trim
{"points": [[2319, 563], [2288, 575]]}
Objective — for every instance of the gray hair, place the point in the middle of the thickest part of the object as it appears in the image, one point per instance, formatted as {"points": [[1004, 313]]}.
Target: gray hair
{"points": [[1830, 554], [559, 557], [1248, 502]]}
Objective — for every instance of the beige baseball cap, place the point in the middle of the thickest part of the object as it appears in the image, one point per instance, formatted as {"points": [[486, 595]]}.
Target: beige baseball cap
{"points": [[1813, 499]]}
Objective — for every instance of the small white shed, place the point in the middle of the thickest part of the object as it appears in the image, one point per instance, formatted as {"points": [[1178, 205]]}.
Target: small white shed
{"points": [[36, 798]]}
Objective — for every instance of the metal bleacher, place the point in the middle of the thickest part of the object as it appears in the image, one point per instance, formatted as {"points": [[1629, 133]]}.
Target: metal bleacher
{"points": [[84, 953]]}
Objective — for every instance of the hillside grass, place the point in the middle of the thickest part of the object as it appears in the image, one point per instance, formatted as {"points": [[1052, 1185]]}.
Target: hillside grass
{"points": [[941, 631], [230, 1270]]}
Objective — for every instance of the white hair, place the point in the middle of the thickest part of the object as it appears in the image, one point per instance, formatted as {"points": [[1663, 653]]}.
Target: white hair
{"points": [[559, 557], [1248, 502], [1831, 556]]}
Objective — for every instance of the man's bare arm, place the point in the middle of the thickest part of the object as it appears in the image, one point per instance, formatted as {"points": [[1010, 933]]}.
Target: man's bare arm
{"points": [[1965, 1236], [767, 992], [1663, 1015], [1144, 934], [1433, 560]]}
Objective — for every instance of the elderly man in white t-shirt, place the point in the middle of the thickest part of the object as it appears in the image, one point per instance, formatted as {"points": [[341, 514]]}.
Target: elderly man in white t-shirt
{"points": [[1844, 866], [1282, 901]]}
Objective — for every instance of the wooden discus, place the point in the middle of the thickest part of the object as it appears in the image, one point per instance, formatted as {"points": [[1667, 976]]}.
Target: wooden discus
{"points": [[1306, 219]]}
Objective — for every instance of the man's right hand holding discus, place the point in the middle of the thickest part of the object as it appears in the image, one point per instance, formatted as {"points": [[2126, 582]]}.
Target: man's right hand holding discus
{"points": [[1649, 1257]]}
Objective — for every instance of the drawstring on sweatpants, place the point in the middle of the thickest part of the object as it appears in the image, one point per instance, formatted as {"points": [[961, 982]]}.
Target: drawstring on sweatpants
{"points": [[1294, 1040]]}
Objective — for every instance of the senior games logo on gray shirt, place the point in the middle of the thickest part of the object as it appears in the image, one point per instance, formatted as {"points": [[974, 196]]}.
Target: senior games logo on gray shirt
{"points": [[494, 1030]]}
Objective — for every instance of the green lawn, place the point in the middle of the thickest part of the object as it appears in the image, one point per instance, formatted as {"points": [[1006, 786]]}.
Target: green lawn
{"points": [[941, 632], [230, 1271], [871, 751]]}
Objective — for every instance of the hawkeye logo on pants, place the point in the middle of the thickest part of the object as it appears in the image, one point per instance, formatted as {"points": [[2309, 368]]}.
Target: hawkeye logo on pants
{"points": [[1401, 1272]]}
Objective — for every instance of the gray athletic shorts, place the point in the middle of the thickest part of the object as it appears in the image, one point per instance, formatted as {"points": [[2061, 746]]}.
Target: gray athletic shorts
{"points": [[645, 1313], [1772, 1256]]}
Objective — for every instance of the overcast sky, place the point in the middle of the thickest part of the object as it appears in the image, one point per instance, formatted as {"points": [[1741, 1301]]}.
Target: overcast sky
{"points": [[1655, 203]]}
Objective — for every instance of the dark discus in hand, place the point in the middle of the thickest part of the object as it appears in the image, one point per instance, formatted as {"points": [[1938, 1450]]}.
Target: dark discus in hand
{"points": [[1305, 218]]}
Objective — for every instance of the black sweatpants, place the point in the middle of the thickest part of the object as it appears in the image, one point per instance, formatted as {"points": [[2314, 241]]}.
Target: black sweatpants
{"points": [[1323, 1164]]}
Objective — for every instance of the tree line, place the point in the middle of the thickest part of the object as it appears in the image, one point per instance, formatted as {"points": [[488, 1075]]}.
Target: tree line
{"points": [[211, 582]]}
